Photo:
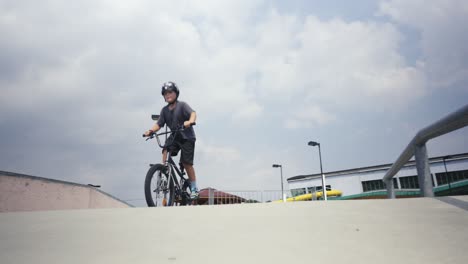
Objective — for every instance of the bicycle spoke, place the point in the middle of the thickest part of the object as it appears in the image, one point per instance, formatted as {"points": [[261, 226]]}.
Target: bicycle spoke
{"points": [[162, 187]]}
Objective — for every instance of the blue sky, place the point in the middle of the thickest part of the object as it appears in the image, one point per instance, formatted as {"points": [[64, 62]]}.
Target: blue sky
{"points": [[80, 81]]}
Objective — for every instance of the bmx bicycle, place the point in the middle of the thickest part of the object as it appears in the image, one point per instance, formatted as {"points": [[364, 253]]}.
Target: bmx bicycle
{"points": [[166, 184]]}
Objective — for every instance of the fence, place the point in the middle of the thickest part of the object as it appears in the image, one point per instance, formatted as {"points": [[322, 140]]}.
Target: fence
{"points": [[210, 196], [213, 196]]}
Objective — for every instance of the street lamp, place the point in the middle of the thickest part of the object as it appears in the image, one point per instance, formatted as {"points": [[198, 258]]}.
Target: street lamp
{"points": [[446, 173], [324, 188], [281, 168]]}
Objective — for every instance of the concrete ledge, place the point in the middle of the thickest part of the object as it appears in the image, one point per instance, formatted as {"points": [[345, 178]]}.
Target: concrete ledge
{"points": [[20, 192], [417, 230]]}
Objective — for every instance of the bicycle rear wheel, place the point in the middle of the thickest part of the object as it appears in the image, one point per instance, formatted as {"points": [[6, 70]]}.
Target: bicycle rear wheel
{"points": [[159, 189]]}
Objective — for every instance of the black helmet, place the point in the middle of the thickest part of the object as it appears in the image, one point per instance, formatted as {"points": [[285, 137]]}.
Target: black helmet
{"points": [[170, 86]]}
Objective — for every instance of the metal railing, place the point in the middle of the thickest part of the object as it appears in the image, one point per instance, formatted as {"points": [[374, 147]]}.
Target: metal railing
{"points": [[417, 148], [213, 196]]}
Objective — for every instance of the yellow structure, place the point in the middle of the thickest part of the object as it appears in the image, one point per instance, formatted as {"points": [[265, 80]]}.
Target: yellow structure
{"points": [[308, 196]]}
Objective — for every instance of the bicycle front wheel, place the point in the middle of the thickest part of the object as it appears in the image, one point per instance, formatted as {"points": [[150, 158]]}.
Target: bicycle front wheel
{"points": [[159, 189]]}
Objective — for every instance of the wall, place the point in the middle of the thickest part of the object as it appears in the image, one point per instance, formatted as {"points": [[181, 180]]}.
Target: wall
{"points": [[20, 192]]}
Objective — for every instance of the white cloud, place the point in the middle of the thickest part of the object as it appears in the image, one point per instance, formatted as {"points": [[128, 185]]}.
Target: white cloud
{"points": [[142, 45], [352, 64], [308, 116], [443, 36], [217, 153], [250, 110], [217, 165]]}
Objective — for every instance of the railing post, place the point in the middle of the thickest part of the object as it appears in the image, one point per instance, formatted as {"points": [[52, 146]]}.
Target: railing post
{"points": [[424, 173], [390, 189], [210, 196]]}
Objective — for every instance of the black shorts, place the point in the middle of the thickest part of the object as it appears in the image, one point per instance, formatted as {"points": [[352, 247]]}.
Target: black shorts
{"points": [[186, 145]]}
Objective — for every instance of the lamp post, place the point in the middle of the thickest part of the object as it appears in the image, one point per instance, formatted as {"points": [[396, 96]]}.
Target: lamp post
{"points": [[446, 173], [281, 169], [324, 188]]}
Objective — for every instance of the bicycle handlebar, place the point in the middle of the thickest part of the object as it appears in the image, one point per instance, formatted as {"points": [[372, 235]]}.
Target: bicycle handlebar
{"points": [[153, 135]]}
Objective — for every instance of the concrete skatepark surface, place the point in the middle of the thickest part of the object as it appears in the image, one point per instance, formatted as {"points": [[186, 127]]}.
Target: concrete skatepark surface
{"points": [[417, 230]]}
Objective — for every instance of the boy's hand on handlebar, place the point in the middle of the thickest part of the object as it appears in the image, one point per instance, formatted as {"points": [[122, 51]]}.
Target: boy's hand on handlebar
{"points": [[148, 133], [188, 124]]}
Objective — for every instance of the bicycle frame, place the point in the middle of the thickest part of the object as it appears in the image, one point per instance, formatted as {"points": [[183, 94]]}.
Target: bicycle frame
{"points": [[169, 160], [180, 183], [179, 172]]}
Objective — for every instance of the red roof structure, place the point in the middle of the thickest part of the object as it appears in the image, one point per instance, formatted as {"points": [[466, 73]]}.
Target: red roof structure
{"points": [[219, 197]]}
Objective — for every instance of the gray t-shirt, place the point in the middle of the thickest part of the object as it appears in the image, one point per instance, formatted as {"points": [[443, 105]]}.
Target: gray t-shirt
{"points": [[176, 117]]}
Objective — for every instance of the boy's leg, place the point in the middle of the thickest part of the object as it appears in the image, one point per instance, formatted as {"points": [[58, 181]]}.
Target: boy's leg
{"points": [[164, 156], [193, 180], [188, 149], [172, 148], [190, 172]]}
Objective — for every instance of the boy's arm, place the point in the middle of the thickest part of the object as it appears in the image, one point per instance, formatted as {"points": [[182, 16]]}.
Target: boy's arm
{"points": [[160, 123], [155, 128], [192, 119]]}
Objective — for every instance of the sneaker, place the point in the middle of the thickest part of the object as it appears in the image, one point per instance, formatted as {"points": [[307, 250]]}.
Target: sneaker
{"points": [[194, 194]]}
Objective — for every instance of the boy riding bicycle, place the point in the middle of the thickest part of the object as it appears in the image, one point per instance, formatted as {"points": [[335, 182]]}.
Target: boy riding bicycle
{"points": [[175, 115]]}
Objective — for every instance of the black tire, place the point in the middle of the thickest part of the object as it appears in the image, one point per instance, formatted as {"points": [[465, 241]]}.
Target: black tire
{"points": [[158, 191]]}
